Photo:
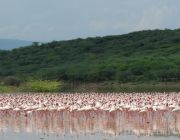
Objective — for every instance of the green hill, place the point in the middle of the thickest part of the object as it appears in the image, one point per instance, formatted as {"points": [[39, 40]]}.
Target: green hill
{"points": [[152, 55]]}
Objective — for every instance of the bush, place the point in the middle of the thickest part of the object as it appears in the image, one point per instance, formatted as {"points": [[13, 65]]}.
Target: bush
{"points": [[12, 81], [42, 86]]}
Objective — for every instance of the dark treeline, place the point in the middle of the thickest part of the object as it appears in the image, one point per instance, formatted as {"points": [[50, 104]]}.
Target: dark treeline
{"points": [[152, 55]]}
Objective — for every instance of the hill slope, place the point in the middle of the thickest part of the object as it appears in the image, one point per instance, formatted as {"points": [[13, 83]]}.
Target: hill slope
{"points": [[139, 56], [8, 44]]}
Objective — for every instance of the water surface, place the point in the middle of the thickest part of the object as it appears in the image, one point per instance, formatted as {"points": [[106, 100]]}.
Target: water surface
{"points": [[90, 125]]}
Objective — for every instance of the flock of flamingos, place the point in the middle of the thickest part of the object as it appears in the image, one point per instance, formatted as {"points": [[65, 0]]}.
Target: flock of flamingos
{"points": [[138, 102], [114, 113]]}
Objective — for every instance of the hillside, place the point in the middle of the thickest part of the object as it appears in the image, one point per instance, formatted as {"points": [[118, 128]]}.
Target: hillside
{"points": [[152, 55], [8, 44]]}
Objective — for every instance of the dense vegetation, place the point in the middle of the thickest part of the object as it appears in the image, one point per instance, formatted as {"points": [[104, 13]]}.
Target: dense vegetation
{"points": [[152, 55]]}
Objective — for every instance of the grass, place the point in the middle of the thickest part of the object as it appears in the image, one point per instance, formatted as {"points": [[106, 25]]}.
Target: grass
{"points": [[118, 87], [42, 86], [104, 87], [32, 86], [7, 89]]}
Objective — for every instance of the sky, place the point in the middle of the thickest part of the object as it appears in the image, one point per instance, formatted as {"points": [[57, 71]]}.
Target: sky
{"points": [[47, 20]]}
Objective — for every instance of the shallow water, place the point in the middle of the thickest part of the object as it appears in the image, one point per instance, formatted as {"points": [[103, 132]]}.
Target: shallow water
{"points": [[30, 136], [89, 125]]}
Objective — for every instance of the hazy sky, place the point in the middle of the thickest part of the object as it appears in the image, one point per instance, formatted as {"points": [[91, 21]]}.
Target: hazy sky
{"points": [[46, 20]]}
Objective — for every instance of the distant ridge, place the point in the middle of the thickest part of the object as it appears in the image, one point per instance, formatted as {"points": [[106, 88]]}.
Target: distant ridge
{"points": [[8, 44]]}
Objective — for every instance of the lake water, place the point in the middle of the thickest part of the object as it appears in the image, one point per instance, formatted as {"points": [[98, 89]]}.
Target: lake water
{"points": [[89, 125]]}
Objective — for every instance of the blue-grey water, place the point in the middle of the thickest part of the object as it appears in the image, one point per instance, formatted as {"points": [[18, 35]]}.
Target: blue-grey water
{"points": [[89, 125], [34, 136]]}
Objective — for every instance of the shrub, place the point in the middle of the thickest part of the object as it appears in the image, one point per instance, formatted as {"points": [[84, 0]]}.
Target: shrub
{"points": [[12, 81], [42, 86]]}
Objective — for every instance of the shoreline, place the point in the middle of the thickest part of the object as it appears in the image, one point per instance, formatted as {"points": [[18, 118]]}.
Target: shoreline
{"points": [[105, 87]]}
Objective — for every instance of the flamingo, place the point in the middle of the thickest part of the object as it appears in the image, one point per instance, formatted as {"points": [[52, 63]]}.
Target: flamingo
{"points": [[87, 101]]}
